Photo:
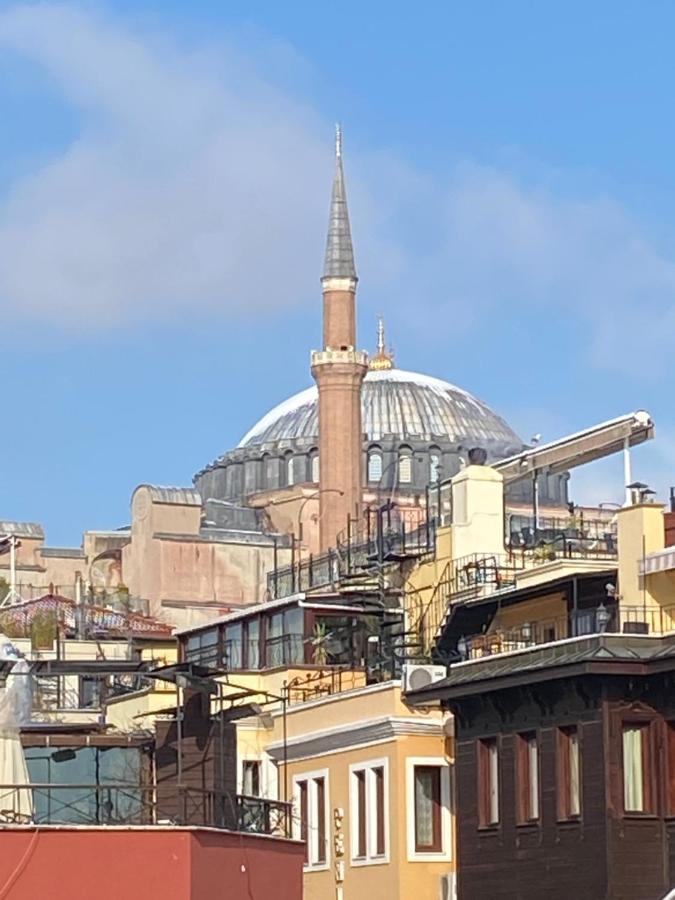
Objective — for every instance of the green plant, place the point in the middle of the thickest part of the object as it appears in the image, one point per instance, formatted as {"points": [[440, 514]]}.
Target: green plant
{"points": [[317, 640], [43, 629]]}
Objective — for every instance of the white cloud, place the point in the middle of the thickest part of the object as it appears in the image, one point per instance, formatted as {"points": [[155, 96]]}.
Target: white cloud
{"points": [[185, 190], [196, 187]]}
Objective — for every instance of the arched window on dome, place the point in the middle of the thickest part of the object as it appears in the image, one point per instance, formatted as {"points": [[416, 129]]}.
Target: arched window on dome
{"points": [[286, 469], [405, 465], [434, 465], [291, 470], [375, 464], [314, 466]]}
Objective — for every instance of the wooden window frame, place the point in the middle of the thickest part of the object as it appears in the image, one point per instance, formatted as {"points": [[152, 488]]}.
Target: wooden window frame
{"points": [[564, 803], [436, 844], [649, 785], [311, 820], [369, 812], [528, 788], [484, 782], [444, 811]]}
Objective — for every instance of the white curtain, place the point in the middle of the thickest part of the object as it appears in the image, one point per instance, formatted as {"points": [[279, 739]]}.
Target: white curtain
{"points": [[16, 804], [633, 795]]}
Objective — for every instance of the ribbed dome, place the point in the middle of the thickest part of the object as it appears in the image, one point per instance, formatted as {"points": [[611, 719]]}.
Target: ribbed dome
{"points": [[396, 403]]}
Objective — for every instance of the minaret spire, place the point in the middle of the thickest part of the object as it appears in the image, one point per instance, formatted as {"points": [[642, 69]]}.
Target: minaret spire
{"points": [[380, 336], [339, 259], [339, 369]]}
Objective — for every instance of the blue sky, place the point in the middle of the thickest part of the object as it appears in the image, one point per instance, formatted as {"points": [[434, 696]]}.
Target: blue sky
{"points": [[164, 180]]}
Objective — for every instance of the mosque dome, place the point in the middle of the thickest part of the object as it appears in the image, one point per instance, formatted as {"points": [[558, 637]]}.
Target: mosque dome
{"points": [[406, 407], [431, 420]]}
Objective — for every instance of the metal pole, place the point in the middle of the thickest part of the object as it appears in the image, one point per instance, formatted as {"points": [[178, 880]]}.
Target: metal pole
{"points": [[535, 502], [222, 755], [644, 580], [293, 562], [284, 709], [627, 474], [179, 733], [12, 567], [276, 566]]}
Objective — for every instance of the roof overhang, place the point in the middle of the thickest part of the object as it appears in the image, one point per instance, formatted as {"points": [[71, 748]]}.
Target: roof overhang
{"points": [[579, 448]]}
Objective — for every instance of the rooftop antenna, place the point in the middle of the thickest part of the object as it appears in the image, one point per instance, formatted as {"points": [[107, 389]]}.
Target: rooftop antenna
{"points": [[338, 141]]}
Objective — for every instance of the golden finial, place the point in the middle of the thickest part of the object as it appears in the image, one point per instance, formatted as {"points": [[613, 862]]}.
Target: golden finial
{"points": [[382, 359]]}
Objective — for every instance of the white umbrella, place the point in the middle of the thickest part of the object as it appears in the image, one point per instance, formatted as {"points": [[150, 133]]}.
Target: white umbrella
{"points": [[16, 804]]}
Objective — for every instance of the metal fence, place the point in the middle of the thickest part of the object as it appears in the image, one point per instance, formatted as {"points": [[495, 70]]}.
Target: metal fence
{"points": [[611, 619], [133, 804]]}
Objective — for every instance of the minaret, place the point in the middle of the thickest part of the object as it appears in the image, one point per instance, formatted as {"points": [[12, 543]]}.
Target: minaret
{"points": [[339, 370]]}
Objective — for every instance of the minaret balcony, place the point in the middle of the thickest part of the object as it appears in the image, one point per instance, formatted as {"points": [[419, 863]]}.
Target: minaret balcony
{"points": [[343, 357]]}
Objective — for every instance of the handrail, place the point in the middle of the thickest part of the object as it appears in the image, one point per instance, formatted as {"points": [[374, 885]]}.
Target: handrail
{"points": [[149, 804]]}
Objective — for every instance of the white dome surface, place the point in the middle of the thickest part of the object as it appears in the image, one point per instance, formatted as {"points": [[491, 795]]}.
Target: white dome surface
{"points": [[396, 403]]}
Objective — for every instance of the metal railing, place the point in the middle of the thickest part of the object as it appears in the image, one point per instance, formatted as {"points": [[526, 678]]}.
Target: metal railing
{"points": [[314, 571], [478, 575], [380, 538], [465, 578], [580, 533], [595, 620], [133, 804]]}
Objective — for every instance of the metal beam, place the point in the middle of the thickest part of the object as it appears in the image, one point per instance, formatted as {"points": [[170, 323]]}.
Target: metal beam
{"points": [[580, 448]]}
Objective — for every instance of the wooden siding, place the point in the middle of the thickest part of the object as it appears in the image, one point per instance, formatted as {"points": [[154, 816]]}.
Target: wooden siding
{"points": [[604, 855]]}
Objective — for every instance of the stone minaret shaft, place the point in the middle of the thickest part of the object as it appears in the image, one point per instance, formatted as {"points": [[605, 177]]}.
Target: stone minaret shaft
{"points": [[339, 370]]}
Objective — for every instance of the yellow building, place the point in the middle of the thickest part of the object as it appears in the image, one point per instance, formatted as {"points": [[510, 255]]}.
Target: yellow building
{"points": [[369, 779]]}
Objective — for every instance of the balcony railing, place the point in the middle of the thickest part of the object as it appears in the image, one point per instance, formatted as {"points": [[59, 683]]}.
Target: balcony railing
{"points": [[381, 538], [130, 804], [479, 575], [597, 620]]}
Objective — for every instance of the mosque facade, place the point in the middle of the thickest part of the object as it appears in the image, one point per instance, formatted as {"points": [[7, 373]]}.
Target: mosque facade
{"points": [[365, 432]]}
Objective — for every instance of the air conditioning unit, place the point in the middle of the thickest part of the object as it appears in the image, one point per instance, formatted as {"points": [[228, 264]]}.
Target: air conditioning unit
{"points": [[448, 887], [416, 677]]}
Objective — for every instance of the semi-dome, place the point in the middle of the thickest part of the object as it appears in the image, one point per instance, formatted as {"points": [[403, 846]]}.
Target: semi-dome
{"points": [[406, 406]]}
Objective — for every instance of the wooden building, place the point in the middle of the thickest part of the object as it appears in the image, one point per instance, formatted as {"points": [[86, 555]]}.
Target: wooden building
{"points": [[565, 769]]}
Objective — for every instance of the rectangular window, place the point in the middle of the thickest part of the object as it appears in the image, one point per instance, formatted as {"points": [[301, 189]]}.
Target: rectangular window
{"points": [[232, 646], [428, 838], [361, 847], [311, 825], [637, 793], [488, 782], [304, 815], [568, 773], [428, 812], [202, 648], [320, 793], [252, 644], [368, 812], [527, 777], [250, 782], [380, 842]]}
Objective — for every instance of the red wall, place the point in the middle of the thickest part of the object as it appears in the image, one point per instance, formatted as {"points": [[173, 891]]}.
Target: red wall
{"points": [[145, 864], [669, 521]]}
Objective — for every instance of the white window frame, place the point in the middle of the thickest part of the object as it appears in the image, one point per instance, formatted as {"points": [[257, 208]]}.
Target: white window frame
{"points": [[312, 830], [446, 811], [372, 858], [374, 473], [405, 467], [242, 766]]}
